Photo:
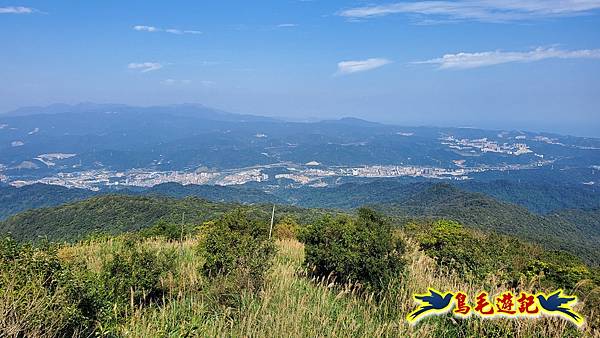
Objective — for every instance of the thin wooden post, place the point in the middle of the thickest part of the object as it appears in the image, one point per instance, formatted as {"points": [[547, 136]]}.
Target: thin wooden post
{"points": [[272, 219], [182, 226]]}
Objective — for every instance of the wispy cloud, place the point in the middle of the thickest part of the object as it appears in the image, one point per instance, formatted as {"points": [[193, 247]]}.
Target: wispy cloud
{"points": [[142, 28], [16, 10], [287, 25], [173, 82], [350, 67], [207, 83], [152, 29], [478, 10], [179, 31], [484, 59], [144, 66]]}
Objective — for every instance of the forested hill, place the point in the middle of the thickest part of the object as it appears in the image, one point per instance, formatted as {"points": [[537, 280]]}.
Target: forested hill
{"points": [[585, 221], [217, 193], [106, 214], [113, 214], [576, 231], [536, 197], [540, 198], [14, 200]]}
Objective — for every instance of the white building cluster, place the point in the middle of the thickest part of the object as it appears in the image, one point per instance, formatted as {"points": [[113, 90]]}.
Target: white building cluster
{"points": [[399, 171], [484, 145], [253, 175]]}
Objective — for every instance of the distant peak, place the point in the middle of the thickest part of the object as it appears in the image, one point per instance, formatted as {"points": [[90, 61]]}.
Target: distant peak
{"points": [[58, 108], [195, 110], [353, 121], [441, 187]]}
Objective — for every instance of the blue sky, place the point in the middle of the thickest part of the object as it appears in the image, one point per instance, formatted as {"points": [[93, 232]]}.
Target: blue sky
{"points": [[485, 63]]}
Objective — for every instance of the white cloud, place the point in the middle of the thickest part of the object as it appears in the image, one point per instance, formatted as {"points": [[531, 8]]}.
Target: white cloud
{"points": [[349, 67], [152, 29], [478, 10], [287, 25], [483, 59], [141, 28], [145, 66], [16, 10]]}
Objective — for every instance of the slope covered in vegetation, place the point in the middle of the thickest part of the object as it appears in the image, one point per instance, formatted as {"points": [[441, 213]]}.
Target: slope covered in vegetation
{"points": [[113, 214], [14, 200], [575, 232], [131, 285], [106, 214], [538, 197]]}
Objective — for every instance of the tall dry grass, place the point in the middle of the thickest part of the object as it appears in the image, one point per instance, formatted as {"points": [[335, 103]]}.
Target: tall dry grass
{"points": [[290, 305], [294, 306], [25, 310]]}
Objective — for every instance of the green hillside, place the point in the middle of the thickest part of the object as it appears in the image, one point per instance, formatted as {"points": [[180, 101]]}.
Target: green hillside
{"points": [[574, 231], [106, 214], [542, 197], [14, 200], [226, 278], [539, 198], [113, 214]]}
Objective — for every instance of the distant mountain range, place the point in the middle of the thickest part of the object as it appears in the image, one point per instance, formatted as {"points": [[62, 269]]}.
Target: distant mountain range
{"points": [[538, 186], [39, 143], [187, 109]]}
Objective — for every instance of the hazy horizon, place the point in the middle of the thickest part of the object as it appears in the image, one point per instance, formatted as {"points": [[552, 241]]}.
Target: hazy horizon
{"points": [[594, 133], [530, 64]]}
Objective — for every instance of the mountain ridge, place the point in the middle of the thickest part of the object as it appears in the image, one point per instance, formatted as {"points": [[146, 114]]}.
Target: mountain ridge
{"points": [[576, 231]]}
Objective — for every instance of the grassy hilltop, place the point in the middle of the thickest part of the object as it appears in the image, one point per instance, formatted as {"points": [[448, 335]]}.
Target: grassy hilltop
{"points": [[155, 282]]}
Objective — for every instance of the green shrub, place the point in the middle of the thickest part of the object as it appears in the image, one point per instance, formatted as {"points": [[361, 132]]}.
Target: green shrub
{"points": [[9, 249], [479, 255], [168, 230], [361, 250], [42, 296], [134, 274], [453, 246], [287, 228], [559, 269], [237, 253]]}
